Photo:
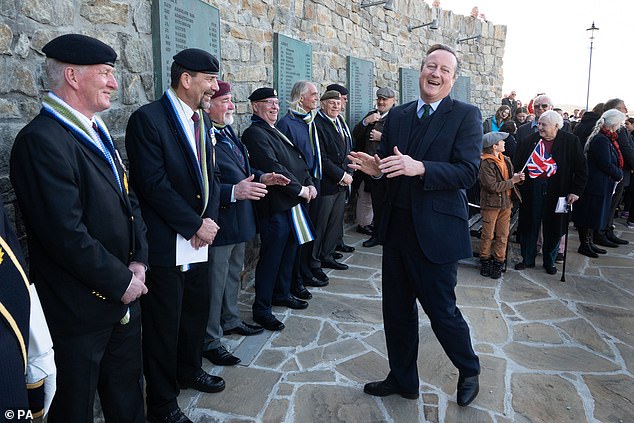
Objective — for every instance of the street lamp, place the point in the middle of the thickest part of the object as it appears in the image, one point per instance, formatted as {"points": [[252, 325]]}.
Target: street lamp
{"points": [[591, 29]]}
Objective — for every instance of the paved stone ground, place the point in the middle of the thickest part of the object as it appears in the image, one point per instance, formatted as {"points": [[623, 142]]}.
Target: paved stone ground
{"points": [[550, 351]]}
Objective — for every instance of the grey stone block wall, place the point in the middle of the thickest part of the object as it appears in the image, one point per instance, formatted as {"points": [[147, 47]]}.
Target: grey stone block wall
{"points": [[334, 28]]}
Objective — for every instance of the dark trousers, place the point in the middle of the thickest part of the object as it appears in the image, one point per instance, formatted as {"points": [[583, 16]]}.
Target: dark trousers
{"points": [[328, 224], [378, 191], [275, 266], [304, 253], [540, 217], [175, 313], [408, 276], [108, 361], [614, 204], [13, 394]]}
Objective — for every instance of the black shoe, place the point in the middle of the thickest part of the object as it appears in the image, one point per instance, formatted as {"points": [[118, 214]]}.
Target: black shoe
{"points": [[221, 357], [175, 416], [336, 255], [521, 266], [602, 240], [291, 302], [550, 269], [485, 268], [610, 235], [385, 387], [586, 250], [205, 382], [334, 264], [496, 269], [320, 276], [344, 248], [597, 249], [313, 281], [560, 258], [468, 388], [244, 329], [269, 323], [372, 242], [302, 293], [365, 230]]}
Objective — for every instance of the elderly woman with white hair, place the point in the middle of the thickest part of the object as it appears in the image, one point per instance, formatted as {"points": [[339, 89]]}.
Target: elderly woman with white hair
{"points": [[605, 170], [555, 167]]}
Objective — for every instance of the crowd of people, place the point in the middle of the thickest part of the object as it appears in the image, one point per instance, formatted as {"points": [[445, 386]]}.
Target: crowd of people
{"points": [[583, 158], [138, 264]]}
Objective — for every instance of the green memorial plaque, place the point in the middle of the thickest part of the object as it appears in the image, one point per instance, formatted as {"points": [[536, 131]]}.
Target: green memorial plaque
{"points": [[360, 89], [461, 89], [292, 62], [408, 84], [177, 25]]}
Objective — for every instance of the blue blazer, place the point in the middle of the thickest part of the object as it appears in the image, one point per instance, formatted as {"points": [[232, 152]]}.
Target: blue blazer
{"points": [[450, 151], [237, 220]]}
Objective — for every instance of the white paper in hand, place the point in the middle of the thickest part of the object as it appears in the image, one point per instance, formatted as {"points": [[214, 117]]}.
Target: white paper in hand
{"points": [[186, 254]]}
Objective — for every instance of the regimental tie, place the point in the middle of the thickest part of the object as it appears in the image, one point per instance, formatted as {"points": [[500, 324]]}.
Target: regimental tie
{"points": [[196, 120], [234, 147], [426, 109]]}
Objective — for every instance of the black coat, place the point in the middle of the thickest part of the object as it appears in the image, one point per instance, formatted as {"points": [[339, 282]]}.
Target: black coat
{"points": [[164, 172], [82, 230], [593, 208], [334, 155], [269, 152], [570, 178]]}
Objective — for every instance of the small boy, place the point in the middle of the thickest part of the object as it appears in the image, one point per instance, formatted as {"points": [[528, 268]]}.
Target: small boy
{"points": [[496, 186]]}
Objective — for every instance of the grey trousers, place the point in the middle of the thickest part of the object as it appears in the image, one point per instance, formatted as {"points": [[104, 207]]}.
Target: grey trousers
{"points": [[225, 265], [330, 210]]}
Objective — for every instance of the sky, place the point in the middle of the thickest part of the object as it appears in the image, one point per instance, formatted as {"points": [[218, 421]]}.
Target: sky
{"points": [[548, 48]]}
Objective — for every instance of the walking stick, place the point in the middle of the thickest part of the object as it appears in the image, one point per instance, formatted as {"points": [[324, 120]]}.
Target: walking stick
{"points": [[563, 270]]}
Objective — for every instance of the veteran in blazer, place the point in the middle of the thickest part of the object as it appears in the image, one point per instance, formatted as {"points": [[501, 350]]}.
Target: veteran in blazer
{"points": [[86, 237], [173, 170], [282, 219], [431, 154]]}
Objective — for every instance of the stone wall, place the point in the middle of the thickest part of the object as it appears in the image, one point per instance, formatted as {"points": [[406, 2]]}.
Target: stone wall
{"points": [[334, 28]]}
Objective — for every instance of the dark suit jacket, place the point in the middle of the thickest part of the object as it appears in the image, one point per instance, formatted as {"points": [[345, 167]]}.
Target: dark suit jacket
{"points": [[237, 220], [334, 153], [270, 153], [450, 151], [82, 230], [164, 172]]}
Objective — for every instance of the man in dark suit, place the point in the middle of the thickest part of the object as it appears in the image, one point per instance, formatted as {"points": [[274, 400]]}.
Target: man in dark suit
{"points": [[282, 218], [329, 205], [85, 234], [239, 186], [431, 155], [172, 167]]}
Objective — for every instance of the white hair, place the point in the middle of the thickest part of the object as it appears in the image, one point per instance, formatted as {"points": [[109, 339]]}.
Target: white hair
{"points": [[611, 120], [552, 117]]}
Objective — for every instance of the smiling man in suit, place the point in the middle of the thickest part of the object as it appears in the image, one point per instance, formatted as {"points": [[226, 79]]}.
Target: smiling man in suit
{"points": [[172, 167], [239, 186], [430, 152]]}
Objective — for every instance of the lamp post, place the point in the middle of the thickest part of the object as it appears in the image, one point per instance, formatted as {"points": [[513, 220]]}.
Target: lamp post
{"points": [[591, 29]]}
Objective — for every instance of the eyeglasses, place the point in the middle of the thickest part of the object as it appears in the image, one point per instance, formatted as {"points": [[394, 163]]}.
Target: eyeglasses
{"points": [[541, 106], [270, 102]]}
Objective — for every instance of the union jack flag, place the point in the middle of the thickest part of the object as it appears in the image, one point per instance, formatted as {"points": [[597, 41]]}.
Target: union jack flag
{"points": [[540, 162]]}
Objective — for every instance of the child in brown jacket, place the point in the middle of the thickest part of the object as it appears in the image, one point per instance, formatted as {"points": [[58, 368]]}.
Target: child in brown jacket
{"points": [[497, 182]]}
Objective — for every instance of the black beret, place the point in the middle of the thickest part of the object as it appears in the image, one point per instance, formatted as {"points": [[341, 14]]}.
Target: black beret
{"points": [[339, 88], [80, 49], [262, 94], [197, 60]]}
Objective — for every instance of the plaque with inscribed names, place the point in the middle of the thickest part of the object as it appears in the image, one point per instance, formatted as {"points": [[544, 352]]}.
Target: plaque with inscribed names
{"points": [[360, 89], [461, 89], [408, 85], [292, 62], [177, 25]]}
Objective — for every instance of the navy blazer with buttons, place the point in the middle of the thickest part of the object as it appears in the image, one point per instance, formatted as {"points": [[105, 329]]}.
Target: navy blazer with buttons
{"points": [[450, 152]]}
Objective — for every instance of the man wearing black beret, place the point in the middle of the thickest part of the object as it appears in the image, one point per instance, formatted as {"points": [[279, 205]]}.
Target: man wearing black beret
{"points": [[281, 216], [85, 234], [173, 170]]}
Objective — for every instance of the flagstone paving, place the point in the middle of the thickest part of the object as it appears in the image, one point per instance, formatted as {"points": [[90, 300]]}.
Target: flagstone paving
{"points": [[550, 351]]}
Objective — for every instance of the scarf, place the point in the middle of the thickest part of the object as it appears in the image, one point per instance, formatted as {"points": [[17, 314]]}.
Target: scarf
{"points": [[501, 164], [309, 119], [97, 138], [614, 139]]}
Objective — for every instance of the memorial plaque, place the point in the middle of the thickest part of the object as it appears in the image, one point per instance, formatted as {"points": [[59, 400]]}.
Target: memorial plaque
{"points": [[177, 25], [292, 62], [461, 89], [360, 89], [408, 84]]}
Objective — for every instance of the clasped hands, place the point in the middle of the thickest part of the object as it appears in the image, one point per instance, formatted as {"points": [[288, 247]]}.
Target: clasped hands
{"points": [[392, 166], [137, 283]]}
